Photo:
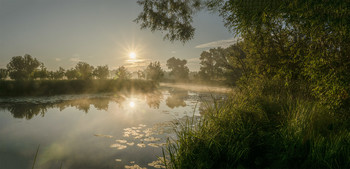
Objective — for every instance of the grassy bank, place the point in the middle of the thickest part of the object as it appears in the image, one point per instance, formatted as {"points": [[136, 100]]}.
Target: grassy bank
{"points": [[263, 132], [55, 87]]}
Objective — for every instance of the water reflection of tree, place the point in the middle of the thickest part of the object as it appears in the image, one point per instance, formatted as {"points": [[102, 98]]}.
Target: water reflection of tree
{"points": [[84, 104], [29, 110], [177, 98], [153, 99]]}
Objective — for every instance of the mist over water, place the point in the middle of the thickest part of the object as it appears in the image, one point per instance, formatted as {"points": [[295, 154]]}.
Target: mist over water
{"points": [[95, 130]]}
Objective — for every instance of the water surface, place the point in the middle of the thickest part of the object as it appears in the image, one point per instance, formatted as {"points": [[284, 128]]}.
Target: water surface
{"points": [[93, 131]]}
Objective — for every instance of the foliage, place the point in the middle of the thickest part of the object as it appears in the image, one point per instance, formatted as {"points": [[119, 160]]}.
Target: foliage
{"points": [[21, 68], [101, 72], [122, 73], [71, 74], [261, 132], [173, 17], [3, 74], [294, 112], [59, 74], [178, 68], [286, 40], [84, 70], [218, 63], [154, 71], [141, 74], [55, 87]]}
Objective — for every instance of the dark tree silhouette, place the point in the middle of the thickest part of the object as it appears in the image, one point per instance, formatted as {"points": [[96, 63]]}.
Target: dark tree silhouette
{"points": [[3, 74], [178, 68], [101, 72], [154, 71], [122, 73], [84, 70], [21, 68]]}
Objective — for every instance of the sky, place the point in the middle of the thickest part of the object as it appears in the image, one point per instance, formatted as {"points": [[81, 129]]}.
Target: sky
{"points": [[99, 32]]}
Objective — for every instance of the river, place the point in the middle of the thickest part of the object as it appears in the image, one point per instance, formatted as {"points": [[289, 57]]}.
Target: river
{"points": [[95, 130]]}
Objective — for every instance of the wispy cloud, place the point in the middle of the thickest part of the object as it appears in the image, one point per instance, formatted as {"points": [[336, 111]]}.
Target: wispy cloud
{"points": [[74, 59], [220, 43], [136, 64]]}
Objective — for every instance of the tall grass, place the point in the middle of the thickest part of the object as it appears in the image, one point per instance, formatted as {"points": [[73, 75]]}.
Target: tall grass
{"points": [[262, 132]]}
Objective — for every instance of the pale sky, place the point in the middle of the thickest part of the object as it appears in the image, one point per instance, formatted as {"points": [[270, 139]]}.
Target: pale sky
{"points": [[99, 32]]}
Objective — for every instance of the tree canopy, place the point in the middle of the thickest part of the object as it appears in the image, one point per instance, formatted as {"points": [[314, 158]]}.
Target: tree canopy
{"points": [[154, 71], [101, 72], [178, 68], [122, 73], [22, 68], [3, 74], [293, 42], [84, 70]]}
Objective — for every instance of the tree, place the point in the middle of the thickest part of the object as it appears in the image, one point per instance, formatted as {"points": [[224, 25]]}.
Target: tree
{"points": [[154, 71], [41, 73], [122, 73], [178, 67], [21, 68], [220, 63], [101, 72], [140, 74], [72, 74], [3, 74], [59, 74], [294, 42], [84, 70]]}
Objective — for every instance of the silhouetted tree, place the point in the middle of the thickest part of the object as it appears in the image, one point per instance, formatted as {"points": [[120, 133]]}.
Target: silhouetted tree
{"points": [[71, 74], [220, 63], [41, 73], [140, 74], [101, 72], [178, 67], [84, 70], [59, 74], [21, 68], [3, 74], [122, 73], [154, 71]]}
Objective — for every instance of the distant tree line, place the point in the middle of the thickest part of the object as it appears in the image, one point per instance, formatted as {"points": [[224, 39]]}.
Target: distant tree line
{"points": [[29, 68], [216, 64]]}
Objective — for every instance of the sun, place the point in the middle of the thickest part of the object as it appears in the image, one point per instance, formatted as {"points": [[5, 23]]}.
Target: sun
{"points": [[132, 104], [132, 55]]}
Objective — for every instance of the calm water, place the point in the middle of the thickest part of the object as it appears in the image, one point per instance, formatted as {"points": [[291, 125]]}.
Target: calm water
{"points": [[92, 131]]}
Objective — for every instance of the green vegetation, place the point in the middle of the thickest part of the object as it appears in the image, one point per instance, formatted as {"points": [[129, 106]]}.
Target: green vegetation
{"points": [[179, 70], [221, 64], [55, 87], [293, 104], [263, 132], [154, 72], [122, 73]]}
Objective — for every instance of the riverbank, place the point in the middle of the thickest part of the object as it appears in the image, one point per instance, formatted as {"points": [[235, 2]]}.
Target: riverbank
{"points": [[263, 131], [56, 87]]}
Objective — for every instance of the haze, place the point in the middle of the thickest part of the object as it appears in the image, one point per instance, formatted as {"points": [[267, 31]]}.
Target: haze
{"points": [[62, 33]]}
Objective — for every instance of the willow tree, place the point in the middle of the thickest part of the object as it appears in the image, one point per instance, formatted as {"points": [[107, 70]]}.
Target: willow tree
{"points": [[293, 41]]}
